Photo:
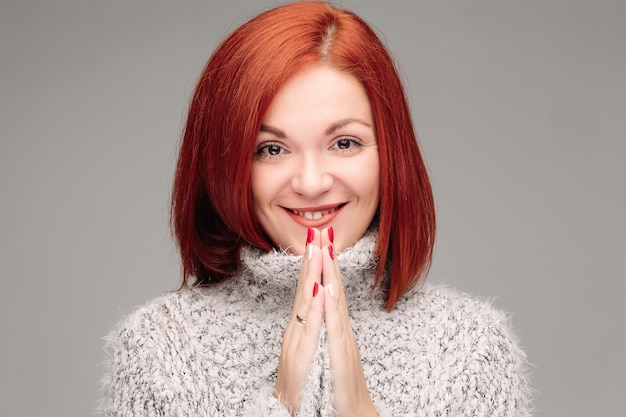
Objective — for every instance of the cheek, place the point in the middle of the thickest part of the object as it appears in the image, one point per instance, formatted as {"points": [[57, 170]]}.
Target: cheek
{"points": [[266, 187], [369, 180], [372, 182], [259, 189]]}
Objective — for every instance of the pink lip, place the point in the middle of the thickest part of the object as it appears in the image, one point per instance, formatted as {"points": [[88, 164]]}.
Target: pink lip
{"points": [[316, 223], [316, 208]]}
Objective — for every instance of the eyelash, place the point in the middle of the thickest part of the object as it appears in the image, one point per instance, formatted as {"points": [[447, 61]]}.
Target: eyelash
{"points": [[353, 143], [262, 151]]}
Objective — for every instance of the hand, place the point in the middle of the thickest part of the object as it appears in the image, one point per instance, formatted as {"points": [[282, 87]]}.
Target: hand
{"points": [[350, 394], [315, 303], [300, 339]]}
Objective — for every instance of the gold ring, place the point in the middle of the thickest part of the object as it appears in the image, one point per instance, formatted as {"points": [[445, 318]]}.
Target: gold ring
{"points": [[300, 319]]}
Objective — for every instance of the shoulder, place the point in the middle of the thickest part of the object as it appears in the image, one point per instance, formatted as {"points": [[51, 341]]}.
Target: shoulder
{"points": [[153, 351], [446, 322], [474, 343], [448, 305], [464, 322], [159, 308], [161, 320]]}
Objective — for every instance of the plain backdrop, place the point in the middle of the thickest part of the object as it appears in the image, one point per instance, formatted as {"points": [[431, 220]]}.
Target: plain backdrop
{"points": [[520, 109]]}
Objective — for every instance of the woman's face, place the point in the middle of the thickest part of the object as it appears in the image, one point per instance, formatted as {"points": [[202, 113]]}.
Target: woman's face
{"points": [[316, 160]]}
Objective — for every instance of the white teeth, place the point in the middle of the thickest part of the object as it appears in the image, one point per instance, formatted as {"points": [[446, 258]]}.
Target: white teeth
{"points": [[313, 215]]}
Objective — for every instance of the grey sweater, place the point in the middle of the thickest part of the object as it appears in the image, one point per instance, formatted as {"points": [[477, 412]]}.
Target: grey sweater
{"points": [[215, 351]]}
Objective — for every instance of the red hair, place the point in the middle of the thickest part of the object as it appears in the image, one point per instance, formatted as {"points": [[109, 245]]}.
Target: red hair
{"points": [[212, 208]]}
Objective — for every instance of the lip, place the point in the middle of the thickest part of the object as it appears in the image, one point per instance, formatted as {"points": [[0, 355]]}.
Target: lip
{"points": [[303, 221]]}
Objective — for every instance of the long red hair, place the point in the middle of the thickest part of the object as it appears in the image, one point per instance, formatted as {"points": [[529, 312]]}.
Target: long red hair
{"points": [[212, 209]]}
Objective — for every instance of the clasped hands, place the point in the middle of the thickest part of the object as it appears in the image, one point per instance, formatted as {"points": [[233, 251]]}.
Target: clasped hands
{"points": [[320, 298]]}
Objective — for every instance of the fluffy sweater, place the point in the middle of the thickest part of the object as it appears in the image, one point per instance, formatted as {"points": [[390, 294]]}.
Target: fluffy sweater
{"points": [[215, 351]]}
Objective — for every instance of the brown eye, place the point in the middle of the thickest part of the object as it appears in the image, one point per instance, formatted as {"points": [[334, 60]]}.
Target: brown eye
{"points": [[344, 143], [269, 151]]}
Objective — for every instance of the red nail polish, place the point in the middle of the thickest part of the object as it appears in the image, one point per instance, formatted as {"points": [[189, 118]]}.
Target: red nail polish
{"points": [[331, 234], [310, 235], [316, 288], [330, 252]]}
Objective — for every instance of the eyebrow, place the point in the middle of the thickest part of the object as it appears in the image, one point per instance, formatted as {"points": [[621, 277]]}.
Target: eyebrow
{"points": [[344, 122], [332, 128], [276, 132]]}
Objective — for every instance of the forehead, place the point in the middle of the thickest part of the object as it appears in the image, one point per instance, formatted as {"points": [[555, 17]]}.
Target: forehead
{"points": [[319, 92]]}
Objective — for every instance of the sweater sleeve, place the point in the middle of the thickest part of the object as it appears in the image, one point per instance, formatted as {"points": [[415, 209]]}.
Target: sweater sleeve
{"points": [[144, 377], [492, 379], [263, 404], [154, 369]]}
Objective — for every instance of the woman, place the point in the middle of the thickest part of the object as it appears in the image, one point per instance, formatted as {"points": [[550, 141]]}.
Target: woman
{"points": [[305, 219]]}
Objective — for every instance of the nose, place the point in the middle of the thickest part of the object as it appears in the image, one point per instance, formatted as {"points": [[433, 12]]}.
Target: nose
{"points": [[312, 176]]}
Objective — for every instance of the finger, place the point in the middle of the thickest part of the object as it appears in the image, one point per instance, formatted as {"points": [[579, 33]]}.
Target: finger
{"points": [[314, 317], [331, 275], [335, 302], [301, 336], [327, 237], [336, 307], [332, 316], [310, 239], [309, 273], [349, 387], [310, 285], [308, 323]]}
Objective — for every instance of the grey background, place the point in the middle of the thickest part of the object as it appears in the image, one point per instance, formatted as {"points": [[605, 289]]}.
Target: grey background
{"points": [[520, 111]]}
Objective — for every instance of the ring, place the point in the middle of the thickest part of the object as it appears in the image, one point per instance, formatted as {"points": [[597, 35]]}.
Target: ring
{"points": [[300, 319]]}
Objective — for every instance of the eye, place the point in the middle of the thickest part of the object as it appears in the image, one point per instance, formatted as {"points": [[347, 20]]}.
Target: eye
{"points": [[346, 144], [269, 151]]}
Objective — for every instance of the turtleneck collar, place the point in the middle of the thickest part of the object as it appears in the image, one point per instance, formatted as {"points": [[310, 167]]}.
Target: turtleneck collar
{"points": [[276, 272]]}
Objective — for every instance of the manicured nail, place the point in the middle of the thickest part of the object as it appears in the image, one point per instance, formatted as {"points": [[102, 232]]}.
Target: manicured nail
{"points": [[331, 234], [316, 288], [330, 252], [331, 291], [310, 251], [310, 235]]}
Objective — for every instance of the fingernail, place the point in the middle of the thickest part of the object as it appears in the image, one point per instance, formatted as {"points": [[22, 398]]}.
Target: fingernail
{"points": [[331, 234], [331, 291], [310, 251], [310, 235], [330, 252], [316, 288]]}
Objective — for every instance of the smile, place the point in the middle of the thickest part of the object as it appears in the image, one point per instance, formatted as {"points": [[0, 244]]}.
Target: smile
{"points": [[314, 215], [317, 214]]}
